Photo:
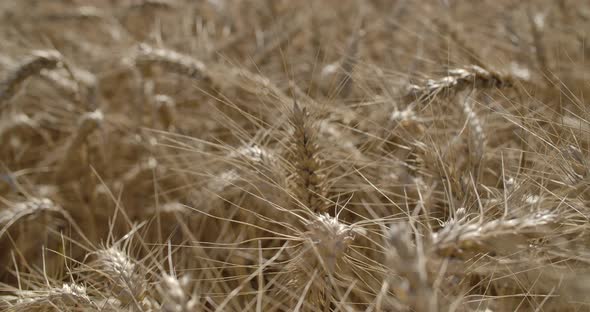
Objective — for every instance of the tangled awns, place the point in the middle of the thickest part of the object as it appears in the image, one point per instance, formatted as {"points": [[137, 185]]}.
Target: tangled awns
{"points": [[282, 155]]}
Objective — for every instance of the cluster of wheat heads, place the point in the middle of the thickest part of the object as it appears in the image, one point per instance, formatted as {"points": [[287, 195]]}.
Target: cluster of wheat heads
{"points": [[255, 155]]}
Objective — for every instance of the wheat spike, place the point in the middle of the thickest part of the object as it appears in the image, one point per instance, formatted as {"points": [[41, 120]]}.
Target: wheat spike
{"points": [[176, 295], [123, 275], [41, 59], [458, 80], [172, 61], [479, 138], [409, 261], [70, 297], [31, 207], [460, 235], [87, 124], [166, 110], [83, 13], [309, 182], [326, 242]]}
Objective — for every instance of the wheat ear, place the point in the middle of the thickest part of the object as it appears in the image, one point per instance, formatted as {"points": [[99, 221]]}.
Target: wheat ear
{"points": [[166, 108], [15, 125], [84, 13], [31, 207], [457, 80], [292, 30], [123, 275], [409, 262], [70, 297], [459, 235], [536, 24], [309, 183], [150, 4], [87, 124], [147, 56], [176, 295], [41, 59], [326, 242], [479, 138]]}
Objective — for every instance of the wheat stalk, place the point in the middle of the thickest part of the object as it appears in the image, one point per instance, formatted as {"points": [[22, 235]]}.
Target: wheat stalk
{"points": [[293, 29], [150, 4], [134, 175], [345, 66], [449, 29], [536, 24]]}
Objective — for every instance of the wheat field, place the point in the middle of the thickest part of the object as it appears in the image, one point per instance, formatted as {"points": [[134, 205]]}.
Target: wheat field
{"points": [[283, 155]]}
